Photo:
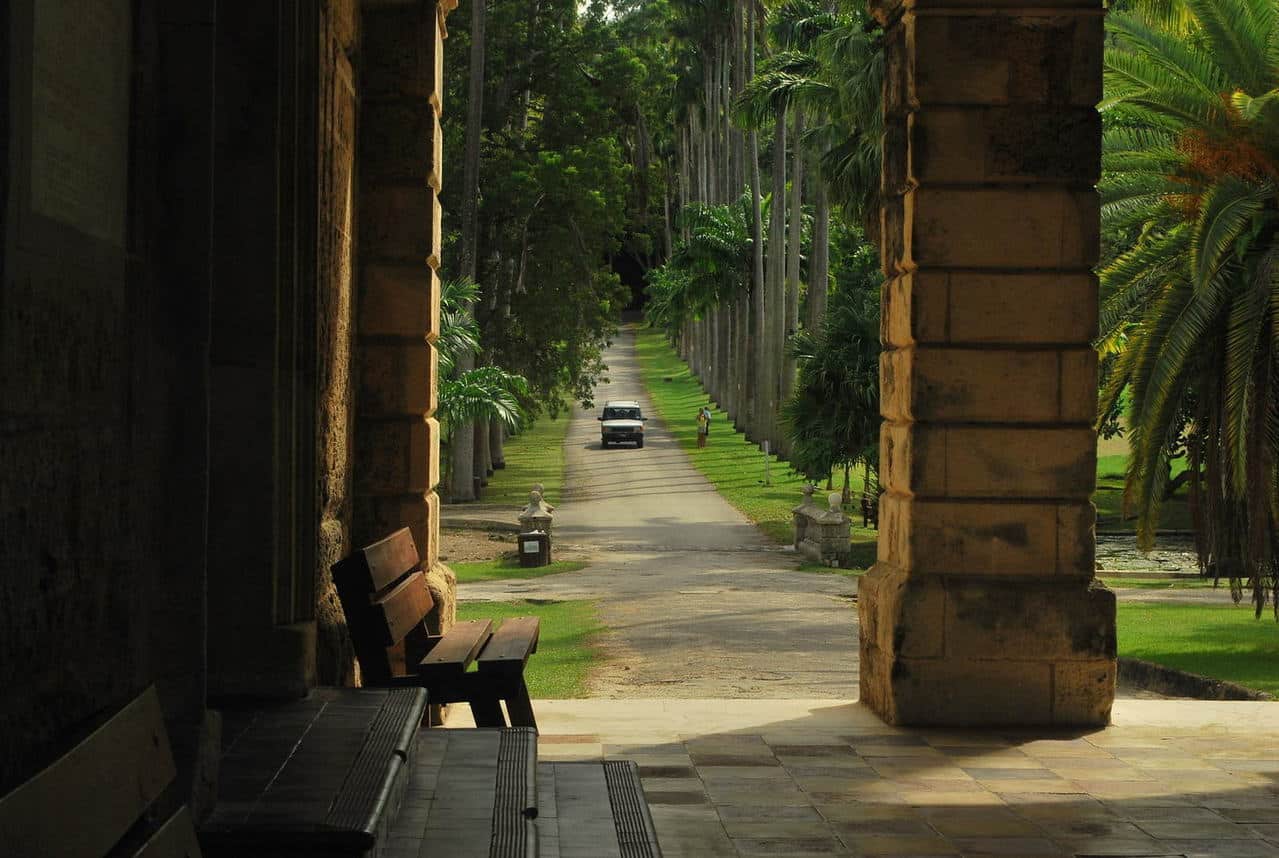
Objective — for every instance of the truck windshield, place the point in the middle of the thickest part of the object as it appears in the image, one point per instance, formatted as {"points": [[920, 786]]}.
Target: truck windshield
{"points": [[621, 414]]}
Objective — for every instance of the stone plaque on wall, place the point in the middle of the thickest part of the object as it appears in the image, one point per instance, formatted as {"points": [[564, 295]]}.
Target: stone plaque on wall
{"points": [[80, 114]]}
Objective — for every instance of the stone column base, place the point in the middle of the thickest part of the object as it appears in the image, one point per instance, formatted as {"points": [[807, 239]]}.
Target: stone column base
{"points": [[976, 651]]}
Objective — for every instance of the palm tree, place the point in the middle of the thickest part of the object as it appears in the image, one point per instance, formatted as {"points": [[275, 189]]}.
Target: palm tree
{"points": [[467, 396], [461, 486], [709, 269], [1190, 320], [833, 416]]}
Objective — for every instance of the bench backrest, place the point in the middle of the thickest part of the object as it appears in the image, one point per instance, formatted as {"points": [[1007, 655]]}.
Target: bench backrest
{"points": [[385, 598], [85, 803]]}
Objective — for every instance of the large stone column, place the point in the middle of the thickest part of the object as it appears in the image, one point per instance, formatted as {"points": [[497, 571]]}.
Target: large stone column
{"points": [[397, 438], [983, 609]]}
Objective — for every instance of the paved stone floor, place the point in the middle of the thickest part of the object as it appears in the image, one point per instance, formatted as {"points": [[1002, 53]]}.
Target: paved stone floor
{"points": [[820, 777]]}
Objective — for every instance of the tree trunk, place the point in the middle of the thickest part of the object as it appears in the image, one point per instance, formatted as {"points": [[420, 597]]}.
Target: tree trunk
{"points": [[759, 319], [462, 487], [777, 278], [819, 269], [793, 258], [497, 444]]}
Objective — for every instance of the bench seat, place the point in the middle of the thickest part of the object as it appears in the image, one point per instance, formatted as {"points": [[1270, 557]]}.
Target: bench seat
{"points": [[322, 776], [386, 602]]}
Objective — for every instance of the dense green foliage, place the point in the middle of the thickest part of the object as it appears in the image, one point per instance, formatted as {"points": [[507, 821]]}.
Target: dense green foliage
{"points": [[1190, 323], [564, 186], [834, 413], [485, 393]]}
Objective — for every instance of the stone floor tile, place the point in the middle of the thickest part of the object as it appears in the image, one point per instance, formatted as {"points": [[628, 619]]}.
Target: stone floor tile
{"points": [[952, 798], [1106, 847], [1138, 812], [882, 844], [680, 797], [1044, 785], [815, 750], [1222, 848], [1002, 758], [852, 829], [1019, 847], [743, 773], [671, 784], [985, 824], [635, 750], [802, 829], [834, 784], [1268, 830], [652, 770], [858, 811], [1199, 830], [836, 766], [791, 847], [1073, 829], [754, 792]]}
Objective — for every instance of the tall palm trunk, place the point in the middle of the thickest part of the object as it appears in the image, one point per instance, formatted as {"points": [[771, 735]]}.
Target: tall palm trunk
{"points": [[462, 447], [819, 268], [776, 278], [793, 256], [759, 291]]}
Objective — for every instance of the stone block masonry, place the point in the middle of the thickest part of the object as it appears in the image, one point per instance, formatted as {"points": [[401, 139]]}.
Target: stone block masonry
{"points": [[397, 450], [982, 608]]}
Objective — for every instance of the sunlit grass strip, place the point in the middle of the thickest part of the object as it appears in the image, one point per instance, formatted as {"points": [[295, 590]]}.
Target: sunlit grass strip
{"points": [[536, 455], [565, 652], [1218, 641], [733, 465], [509, 568]]}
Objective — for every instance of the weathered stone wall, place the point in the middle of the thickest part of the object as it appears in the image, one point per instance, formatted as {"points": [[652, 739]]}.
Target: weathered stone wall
{"points": [[982, 608], [103, 351], [339, 40]]}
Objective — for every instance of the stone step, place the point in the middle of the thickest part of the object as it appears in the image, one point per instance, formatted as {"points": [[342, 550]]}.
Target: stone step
{"points": [[473, 793], [323, 776], [594, 810]]}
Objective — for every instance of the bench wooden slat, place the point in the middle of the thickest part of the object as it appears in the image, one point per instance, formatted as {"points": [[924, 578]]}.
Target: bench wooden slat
{"points": [[402, 610], [453, 653], [379, 565], [82, 805], [175, 839], [511, 645]]}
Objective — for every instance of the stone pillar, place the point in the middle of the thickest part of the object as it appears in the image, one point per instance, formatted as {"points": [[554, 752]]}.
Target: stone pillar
{"points": [[397, 438], [982, 609]]}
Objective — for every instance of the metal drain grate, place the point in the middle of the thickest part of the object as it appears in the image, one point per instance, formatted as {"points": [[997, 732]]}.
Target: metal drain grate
{"points": [[635, 832]]}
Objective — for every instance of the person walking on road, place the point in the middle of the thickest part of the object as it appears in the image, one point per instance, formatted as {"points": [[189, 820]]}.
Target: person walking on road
{"points": [[703, 426]]}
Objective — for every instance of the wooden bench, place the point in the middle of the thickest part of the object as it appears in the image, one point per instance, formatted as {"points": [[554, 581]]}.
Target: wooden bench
{"points": [[89, 802], [385, 598]]}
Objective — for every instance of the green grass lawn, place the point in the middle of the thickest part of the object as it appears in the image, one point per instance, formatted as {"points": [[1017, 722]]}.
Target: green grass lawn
{"points": [[1174, 514], [1220, 641], [506, 568], [564, 651], [536, 455], [729, 461]]}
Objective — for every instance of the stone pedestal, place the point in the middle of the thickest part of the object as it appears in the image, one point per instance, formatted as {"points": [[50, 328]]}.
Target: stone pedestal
{"points": [[982, 609], [824, 535]]}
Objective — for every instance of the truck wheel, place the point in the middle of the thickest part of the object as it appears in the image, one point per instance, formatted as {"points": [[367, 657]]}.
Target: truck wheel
{"points": [[603, 445], [639, 445]]}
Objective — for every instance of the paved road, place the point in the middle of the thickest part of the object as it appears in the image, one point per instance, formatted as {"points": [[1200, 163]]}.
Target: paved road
{"points": [[697, 601]]}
